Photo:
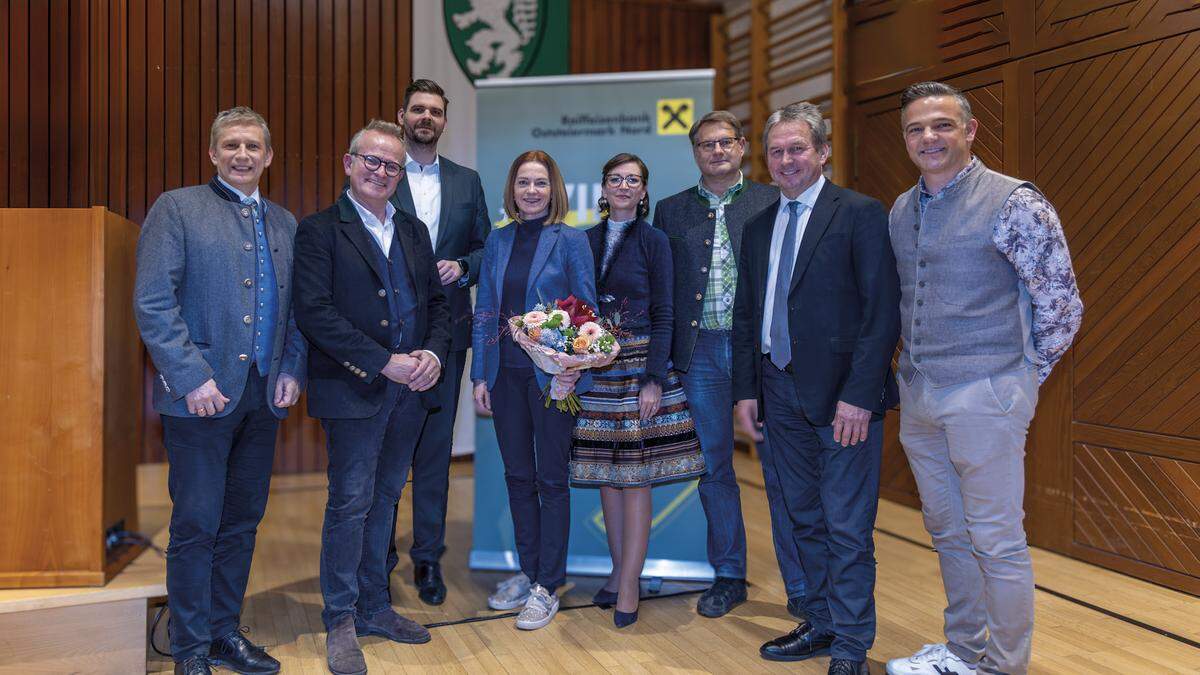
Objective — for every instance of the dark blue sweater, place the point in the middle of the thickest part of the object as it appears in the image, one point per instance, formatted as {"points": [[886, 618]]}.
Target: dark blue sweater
{"points": [[512, 295]]}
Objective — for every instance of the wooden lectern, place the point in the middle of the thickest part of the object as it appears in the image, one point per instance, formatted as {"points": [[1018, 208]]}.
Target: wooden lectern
{"points": [[70, 395]]}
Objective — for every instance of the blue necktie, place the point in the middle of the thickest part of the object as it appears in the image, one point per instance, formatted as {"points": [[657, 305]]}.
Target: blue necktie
{"points": [[781, 344]]}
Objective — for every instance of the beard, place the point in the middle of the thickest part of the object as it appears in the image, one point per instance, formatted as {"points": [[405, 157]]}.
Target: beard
{"points": [[421, 135]]}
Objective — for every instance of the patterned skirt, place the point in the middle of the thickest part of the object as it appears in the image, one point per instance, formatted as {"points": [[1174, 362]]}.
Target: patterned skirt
{"points": [[613, 447]]}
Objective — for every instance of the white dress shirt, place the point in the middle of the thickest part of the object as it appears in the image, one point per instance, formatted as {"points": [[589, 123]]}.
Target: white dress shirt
{"points": [[807, 200], [425, 184], [383, 232]]}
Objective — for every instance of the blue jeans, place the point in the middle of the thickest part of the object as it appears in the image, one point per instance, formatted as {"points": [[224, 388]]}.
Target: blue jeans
{"points": [[708, 384], [220, 473], [368, 466], [832, 496]]}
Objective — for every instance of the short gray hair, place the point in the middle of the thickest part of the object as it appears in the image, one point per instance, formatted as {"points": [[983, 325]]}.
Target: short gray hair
{"points": [[799, 112], [380, 126], [922, 90], [237, 116]]}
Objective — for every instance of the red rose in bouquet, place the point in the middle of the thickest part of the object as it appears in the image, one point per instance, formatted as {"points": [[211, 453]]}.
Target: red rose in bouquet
{"points": [[578, 310]]}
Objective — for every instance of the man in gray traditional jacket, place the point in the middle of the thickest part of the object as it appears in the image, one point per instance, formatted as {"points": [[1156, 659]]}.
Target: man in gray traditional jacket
{"points": [[213, 303], [988, 305]]}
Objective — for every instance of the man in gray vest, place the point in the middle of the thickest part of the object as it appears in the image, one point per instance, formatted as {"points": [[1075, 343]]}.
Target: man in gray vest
{"points": [[988, 306]]}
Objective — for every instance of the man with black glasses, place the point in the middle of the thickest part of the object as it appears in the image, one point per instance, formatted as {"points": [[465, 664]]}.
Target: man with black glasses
{"points": [[369, 299]]}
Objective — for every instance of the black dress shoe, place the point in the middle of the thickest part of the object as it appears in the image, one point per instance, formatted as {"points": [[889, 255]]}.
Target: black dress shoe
{"points": [[240, 655], [802, 643], [795, 607], [722, 596], [848, 667], [196, 665], [430, 587]]}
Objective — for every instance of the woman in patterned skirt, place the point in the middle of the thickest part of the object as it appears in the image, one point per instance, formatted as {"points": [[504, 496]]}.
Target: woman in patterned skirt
{"points": [[635, 430]]}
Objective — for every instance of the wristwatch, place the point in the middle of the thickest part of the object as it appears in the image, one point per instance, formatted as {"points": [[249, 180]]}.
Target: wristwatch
{"points": [[466, 267]]}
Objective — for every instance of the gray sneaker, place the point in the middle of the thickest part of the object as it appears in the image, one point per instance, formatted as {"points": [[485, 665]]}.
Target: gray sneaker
{"points": [[510, 593], [539, 609]]}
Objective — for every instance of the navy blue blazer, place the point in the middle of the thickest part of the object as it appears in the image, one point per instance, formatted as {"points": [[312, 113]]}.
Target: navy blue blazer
{"points": [[843, 307], [341, 307], [562, 265], [463, 226]]}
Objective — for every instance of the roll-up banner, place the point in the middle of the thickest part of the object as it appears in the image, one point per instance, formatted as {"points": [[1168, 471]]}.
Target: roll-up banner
{"points": [[582, 121]]}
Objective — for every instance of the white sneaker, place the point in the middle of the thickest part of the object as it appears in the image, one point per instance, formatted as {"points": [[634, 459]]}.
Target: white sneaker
{"points": [[931, 660], [510, 593], [539, 609]]}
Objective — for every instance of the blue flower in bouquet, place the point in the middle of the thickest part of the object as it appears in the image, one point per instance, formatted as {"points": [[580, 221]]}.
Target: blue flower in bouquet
{"points": [[550, 337]]}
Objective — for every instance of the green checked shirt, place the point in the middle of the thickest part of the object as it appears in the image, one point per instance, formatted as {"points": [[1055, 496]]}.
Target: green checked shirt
{"points": [[722, 273]]}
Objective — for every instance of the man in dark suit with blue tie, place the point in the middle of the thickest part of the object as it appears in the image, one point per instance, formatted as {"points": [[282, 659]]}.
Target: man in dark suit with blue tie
{"points": [[369, 299], [816, 321], [448, 199]]}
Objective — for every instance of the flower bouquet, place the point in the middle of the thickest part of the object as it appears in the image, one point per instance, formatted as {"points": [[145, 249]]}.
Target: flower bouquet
{"points": [[564, 337]]}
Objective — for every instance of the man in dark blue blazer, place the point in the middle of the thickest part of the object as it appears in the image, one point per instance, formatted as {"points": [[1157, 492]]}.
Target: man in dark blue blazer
{"points": [[816, 323], [448, 199], [704, 224], [213, 304], [369, 299]]}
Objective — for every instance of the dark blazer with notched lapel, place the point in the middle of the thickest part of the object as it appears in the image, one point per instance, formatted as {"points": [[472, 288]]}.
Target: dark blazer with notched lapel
{"points": [[463, 227], [562, 265], [690, 225], [843, 307], [339, 306]]}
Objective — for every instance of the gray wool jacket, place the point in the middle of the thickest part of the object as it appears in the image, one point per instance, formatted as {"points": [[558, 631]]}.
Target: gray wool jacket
{"points": [[191, 298]]}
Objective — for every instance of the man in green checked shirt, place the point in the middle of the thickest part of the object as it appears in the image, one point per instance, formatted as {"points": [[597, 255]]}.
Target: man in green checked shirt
{"points": [[704, 224]]}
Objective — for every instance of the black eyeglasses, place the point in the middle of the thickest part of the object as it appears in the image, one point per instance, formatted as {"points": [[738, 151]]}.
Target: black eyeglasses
{"points": [[373, 163], [614, 180]]}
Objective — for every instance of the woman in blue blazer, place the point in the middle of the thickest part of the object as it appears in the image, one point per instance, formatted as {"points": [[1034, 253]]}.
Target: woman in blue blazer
{"points": [[536, 258]]}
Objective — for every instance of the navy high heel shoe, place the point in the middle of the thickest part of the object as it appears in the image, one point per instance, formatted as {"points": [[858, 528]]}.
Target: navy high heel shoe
{"points": [[623, 619], [604, 599]]}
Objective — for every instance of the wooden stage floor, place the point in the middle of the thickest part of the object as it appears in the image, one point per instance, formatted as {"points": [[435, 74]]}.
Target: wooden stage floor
{"points": [[1089, 620]]}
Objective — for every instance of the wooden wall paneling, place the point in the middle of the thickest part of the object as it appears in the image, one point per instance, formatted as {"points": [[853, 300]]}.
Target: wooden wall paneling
{"points": [[241, 14], [154, 91], [77, 171], [635, 35], [118, 107], [189, 79], [1113, 458], [6, 65], [137, 112], [58, 145], [173, 95], [19, 113]]}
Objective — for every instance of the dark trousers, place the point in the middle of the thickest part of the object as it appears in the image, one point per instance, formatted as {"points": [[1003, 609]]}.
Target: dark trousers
{"points": [[535, 444], [832, 494], [368, 466], [431, 471], [220, 473]]}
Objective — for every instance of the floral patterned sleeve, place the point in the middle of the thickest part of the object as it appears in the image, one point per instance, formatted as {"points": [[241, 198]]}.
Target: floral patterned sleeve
{"points": [[1030, 235]]}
